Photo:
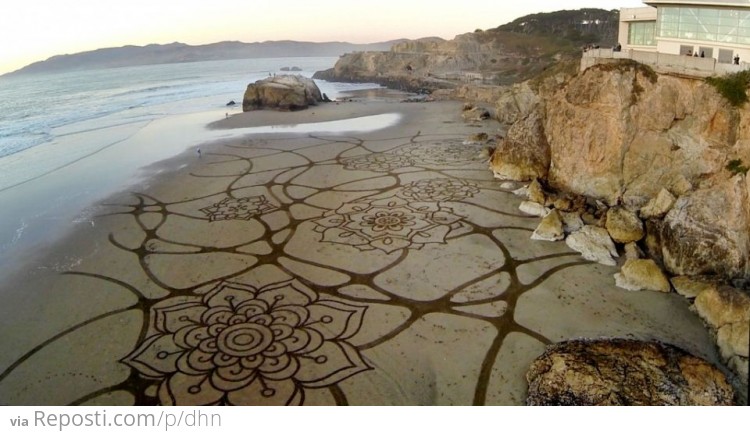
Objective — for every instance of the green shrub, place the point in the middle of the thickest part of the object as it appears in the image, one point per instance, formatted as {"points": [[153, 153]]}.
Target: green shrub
{"points": [[736, 167], [733, 87]]}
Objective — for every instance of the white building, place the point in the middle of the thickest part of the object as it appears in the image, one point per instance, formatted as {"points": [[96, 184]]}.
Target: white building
{"points": [[716, 29]]}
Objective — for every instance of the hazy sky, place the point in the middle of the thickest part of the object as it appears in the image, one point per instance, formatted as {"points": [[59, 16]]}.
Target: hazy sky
{"points": [[33, 30]]}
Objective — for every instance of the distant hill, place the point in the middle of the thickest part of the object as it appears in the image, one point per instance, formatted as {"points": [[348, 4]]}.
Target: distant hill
{"points": [[582, 26], [181, 53]]}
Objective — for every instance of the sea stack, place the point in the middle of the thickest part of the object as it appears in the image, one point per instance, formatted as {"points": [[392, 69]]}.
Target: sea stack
{"points": [[282, 92]]}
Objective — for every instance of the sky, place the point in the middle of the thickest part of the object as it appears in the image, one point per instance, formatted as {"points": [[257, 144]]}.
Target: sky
{"points": [[34, 30]]}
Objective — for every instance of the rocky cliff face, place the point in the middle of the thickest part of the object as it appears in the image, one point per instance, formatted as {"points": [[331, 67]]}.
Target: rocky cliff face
{"points": [[620, 134], [494, 56], [664, 155]]}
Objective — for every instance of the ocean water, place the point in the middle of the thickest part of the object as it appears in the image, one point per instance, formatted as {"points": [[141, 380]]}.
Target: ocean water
{"points": [[39, 110], [68, 139]]}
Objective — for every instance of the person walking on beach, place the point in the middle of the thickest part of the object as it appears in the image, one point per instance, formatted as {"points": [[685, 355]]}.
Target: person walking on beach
{"points": [[199, 153]]}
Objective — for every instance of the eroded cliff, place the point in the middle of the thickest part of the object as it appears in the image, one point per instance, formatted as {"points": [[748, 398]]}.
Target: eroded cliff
{"points": [[489, 57], [671, 154]]}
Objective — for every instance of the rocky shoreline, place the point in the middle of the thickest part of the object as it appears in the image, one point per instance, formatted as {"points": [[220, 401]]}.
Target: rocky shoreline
{"points": [[616, 237], [626, 162]]}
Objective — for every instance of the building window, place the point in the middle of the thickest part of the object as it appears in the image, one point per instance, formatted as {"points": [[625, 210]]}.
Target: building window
{"points": [[708, 52], [642, 33], [725, 56], [704, 24]]}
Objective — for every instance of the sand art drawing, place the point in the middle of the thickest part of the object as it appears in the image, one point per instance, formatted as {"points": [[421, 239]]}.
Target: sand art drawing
{"points": [[319, 270]]}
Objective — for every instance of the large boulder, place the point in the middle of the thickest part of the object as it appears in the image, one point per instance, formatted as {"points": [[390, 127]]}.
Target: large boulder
{"points": [[708, 231], [624, 372], [623, 225], [524, 154], [282, 92]]}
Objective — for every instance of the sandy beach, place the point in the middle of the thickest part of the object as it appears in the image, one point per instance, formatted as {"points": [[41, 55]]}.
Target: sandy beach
{"points": [[381, 267]]}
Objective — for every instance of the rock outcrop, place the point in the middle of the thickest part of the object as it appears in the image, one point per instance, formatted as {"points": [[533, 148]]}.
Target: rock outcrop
{"points": [[282, 92], [515, 103], [708, 231], [653, 145], [622, 133], [624, 372], [524, 153], [494, 57]]}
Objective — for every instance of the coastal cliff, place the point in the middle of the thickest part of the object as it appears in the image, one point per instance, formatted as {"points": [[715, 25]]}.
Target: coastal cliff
{"points": [[508, 54], [666, 155], [622, 133]]}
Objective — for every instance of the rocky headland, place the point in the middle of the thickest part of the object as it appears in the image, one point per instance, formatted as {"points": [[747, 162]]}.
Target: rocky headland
{"points": [[474, 64]]}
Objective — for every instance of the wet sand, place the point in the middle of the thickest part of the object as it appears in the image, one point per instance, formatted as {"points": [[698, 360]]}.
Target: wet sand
{"points": [[367, 268]]}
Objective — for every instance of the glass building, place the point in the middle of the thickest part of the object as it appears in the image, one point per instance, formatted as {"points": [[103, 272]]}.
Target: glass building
{"points": [[714, 29]]}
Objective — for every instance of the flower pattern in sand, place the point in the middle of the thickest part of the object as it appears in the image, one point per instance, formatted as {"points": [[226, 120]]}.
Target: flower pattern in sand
{"points": [[389, 224], [238, 208], [382, 162], [240, 344], [440, 189], [442, 153]]}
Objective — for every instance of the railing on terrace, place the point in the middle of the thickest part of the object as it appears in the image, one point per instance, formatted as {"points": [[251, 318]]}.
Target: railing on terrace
{"points": [[664, 63]]}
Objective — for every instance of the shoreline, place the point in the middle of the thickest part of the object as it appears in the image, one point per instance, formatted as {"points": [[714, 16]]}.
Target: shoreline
{"points": [[463, 250], [353, 104]]}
